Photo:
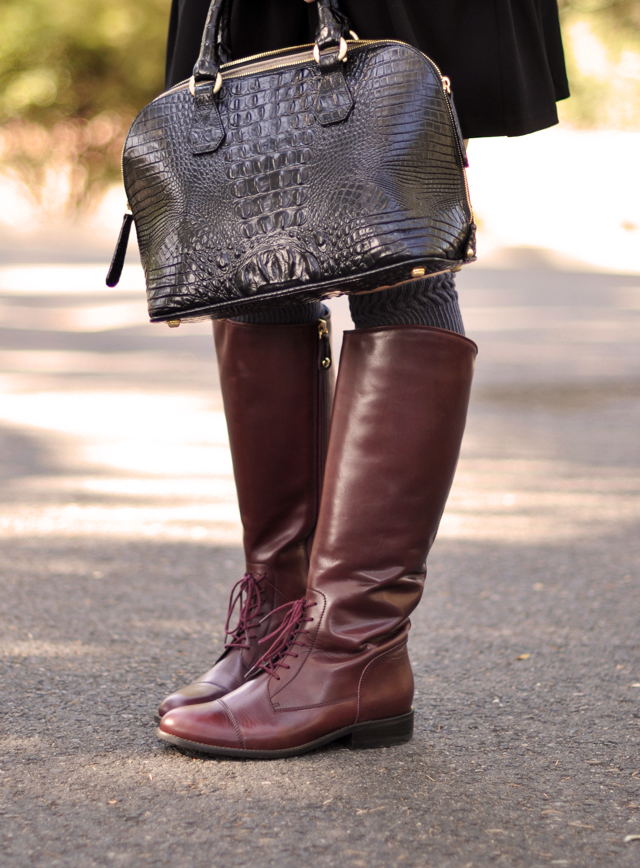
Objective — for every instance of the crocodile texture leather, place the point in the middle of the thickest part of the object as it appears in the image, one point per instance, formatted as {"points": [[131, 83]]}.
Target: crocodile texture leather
{"points": [[297, 184]]}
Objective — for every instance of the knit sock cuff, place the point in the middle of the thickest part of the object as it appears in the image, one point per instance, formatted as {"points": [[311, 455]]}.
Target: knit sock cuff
{"points": [[431, 301]]}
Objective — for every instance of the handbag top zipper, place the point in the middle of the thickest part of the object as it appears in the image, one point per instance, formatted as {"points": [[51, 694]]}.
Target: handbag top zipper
{"points": [[299, 55], [282, 58]]}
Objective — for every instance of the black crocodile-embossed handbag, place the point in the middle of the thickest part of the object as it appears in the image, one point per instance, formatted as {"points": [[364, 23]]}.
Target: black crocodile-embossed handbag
{"points": [[298, 174]]}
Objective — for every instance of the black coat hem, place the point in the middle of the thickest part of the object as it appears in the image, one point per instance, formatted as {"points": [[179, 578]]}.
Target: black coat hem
{"points": [[511, 129], [504, 57]]}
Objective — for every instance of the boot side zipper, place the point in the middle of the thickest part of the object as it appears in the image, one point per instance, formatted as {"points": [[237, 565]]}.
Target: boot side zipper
{"points": [[324, 362], [324, 365]]}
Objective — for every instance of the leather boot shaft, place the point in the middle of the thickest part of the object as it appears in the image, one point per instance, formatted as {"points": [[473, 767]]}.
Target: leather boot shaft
{"points": [[277, 397], [339, 665], [277, 386], [398, 420]]}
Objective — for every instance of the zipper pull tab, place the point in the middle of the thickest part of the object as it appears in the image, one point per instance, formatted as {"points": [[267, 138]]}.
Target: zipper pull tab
{"points": [[446, 87], [115, 269], [325, 345]]}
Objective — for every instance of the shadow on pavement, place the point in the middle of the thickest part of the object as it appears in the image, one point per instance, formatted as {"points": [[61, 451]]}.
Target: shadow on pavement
{"points": [[526, 660], [119, 543]]}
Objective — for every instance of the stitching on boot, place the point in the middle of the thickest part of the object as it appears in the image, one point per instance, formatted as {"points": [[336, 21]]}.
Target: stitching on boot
{"points": [[311, 647], [212, 683], [277, 708], [234, 722], [364, 673]]}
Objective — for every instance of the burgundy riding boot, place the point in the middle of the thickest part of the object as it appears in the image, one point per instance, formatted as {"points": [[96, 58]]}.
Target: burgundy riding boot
{"points": [[338, 664], [277, 386]]}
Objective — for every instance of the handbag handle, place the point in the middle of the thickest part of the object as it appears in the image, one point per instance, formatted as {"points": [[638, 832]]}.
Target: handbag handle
{"points": [[333, 26]]}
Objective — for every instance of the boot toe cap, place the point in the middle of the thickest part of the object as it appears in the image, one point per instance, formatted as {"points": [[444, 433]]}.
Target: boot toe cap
{"points": [[193, 694], [208, 724]]}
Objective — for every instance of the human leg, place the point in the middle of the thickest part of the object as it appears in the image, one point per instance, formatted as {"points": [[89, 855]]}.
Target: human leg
{"points": [[277, 390], [430, 301], [339, 665], [298, 313]]}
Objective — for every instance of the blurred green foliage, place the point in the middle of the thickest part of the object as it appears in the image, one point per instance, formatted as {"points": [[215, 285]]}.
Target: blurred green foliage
{"points": [[77, 58], [602, 47], [63, 59], [624, 13], [73, 74]]}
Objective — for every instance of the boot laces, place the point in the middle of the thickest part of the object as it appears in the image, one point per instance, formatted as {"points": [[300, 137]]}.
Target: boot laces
{"points": [[285, 637], [245, 595]]}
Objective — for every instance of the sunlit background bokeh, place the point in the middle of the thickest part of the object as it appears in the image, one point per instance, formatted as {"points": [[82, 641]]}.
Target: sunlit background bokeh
{"points": [[125, 418], [74, 74]]}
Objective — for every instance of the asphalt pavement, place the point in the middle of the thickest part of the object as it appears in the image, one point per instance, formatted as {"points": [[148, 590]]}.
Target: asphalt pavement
{"points": [[119, 543]]}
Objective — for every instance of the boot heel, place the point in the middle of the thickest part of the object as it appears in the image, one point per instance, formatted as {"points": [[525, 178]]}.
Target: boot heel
{"points": [[382, 733]]}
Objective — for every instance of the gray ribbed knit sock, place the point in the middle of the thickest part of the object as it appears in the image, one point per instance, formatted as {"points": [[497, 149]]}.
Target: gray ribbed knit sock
{"points": [[432, 301], [297, 313]]}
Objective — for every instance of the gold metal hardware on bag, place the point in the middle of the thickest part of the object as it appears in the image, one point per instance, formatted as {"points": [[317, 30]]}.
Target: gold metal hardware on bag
{"points": [[456, 269], [173, 323], [446, 83], [323, 332], [216, 86], [418, 272], [354, 36], [268, 60], [342, 51], [470, 252]]}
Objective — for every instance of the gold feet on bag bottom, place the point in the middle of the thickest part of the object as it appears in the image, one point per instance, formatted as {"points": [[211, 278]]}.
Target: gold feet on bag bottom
{"points": [[337, 665]]}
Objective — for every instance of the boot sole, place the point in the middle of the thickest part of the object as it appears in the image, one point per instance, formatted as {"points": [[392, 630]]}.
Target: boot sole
{"points": [[360, 736]]}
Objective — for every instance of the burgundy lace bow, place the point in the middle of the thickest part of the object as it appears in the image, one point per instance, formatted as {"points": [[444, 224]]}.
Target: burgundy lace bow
{"points": [[245, 594], [285, 637]]}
